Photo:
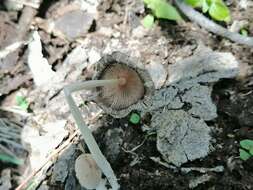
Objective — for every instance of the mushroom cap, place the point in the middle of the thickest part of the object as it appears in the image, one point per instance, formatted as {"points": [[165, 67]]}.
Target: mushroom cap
{"points": [[87, 171], [134, 89], [121, 95]]}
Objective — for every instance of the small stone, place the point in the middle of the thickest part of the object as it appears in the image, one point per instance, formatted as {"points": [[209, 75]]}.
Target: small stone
{"points": [[77, 56], [138, 7], [5, 180], [60, 172], [157, 73], [238, 25], [116, 34], [89, 6], [244, 4], [13, 5], [93, 56], [74, 24], [199, 180], [139, 32], [113, 142], [107, 31]]}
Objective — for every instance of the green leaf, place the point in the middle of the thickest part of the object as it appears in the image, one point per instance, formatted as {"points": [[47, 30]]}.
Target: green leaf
{"points": [[251, 151], [195, 3], [148, 21], [166, 11], [10, 159], [219, 11], [244, 32], [246, 144], [205, 6], [147, 1], [150, 4], [22, 102], [244, 155], [135, 118], [162, 9]]}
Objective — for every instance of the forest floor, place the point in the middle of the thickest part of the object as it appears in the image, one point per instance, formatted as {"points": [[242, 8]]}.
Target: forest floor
{"points": [[33, 109]]}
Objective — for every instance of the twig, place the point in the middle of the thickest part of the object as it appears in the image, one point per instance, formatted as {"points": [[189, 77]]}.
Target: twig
{"points": [[95, 117], [135, 148], [11, 48], [7, 151], [49, 158], [6, 135], [24, 22], [9, 135], [135, 155], [165, 164], [7, 141], [29, 4], [202, 170], [23, 26], [9, 127], [16, 111], [211, 26]]}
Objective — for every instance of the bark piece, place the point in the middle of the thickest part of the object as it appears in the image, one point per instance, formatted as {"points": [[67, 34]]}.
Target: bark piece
{"points": [[180, 137], [181, 109]]}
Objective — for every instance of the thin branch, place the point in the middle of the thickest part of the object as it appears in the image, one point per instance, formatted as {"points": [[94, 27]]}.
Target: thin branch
{"points": [[11, 142], [137, 147], [211, 26], [34, 5], [11, 48], [15, 111], [7, 151], [25, 21]]}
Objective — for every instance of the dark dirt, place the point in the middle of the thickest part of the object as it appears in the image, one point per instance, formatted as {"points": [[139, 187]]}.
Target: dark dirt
{"points": [[135, 170], [146, 174]]}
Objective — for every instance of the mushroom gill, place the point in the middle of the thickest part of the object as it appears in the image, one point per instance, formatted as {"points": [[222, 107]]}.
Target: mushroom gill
{"points": [[128, 91]]}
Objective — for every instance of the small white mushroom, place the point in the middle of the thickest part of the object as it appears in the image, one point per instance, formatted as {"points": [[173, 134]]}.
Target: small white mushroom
{"points": [[87, 172]]}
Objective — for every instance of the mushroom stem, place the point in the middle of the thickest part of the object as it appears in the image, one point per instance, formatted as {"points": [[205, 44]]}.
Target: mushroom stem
{"points": [[98, 156], [77, 86]]}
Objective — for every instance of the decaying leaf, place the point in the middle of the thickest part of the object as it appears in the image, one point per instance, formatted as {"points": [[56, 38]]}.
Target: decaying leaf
{"points": [[41, 70]]}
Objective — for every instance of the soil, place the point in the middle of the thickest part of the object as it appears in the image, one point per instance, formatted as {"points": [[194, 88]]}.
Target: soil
{"points": [[135, 169]]}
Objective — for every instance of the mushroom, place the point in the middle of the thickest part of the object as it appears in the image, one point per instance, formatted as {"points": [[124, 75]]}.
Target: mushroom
{"points": [[136, 85], [122, 86], [87, 172], [123, 94]]}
